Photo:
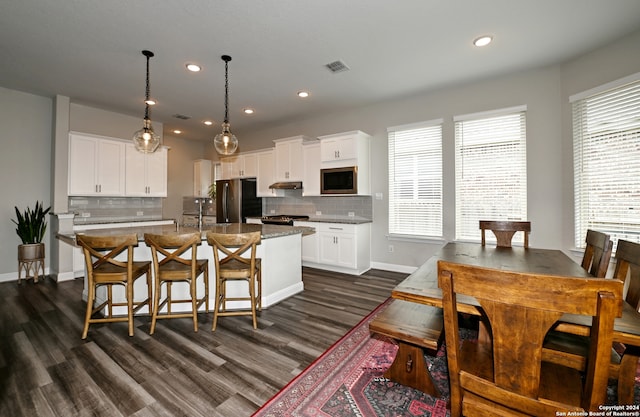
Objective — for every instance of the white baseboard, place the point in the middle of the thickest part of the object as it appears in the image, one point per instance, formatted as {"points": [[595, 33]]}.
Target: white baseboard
{"points": [[13, 276], [393, 267]]}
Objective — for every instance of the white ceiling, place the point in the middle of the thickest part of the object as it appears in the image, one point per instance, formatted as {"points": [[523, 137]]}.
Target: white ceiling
{"points": [[90, 51]]}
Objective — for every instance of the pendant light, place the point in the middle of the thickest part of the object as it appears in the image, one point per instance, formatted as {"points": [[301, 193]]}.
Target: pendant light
{"points": [[226, 143], [145, 139]]}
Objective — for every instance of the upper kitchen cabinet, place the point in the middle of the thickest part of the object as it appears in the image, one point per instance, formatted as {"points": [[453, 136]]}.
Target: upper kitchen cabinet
{"points": [[239, 166], [202, 177], [266, 174], [345, 149], [311, 161], [288, 158], [349, 149], [96, 166], [145, 173]]}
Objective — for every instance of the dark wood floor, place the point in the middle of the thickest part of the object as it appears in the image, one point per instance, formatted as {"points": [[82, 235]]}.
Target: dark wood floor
{"points": [[47, 370]]}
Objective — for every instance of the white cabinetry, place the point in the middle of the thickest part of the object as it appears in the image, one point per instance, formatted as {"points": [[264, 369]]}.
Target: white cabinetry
{"points": [[309, 243], [288, 158], [96, 166], [266, 174], [349, 149], [202, 177], [311, 176], [239, 166], [338, 247], [145, 173]]}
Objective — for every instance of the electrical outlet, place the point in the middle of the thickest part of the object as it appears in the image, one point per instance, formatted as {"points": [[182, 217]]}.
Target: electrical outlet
{"points": [[85, 214], [140, 213], [351, 214], [390, 248], [272, 212], [378, 196], [318, 213]]}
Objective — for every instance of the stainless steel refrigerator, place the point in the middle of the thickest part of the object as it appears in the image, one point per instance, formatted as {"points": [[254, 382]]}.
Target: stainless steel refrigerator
{"points": [[236, 199]]}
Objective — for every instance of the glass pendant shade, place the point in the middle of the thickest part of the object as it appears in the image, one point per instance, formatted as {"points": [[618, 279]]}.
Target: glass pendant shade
{"points": [[226, 142], [145, 139]]}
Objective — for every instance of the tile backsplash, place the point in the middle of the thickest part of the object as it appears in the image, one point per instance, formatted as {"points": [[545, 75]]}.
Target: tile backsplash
{"points": [[89, 210], [330, 207]]}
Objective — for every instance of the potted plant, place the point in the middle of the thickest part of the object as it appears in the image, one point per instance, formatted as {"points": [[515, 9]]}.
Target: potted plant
{"points": [[31, 227]]}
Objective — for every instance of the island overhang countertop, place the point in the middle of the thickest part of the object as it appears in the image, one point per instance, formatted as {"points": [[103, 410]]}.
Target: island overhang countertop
{"points": [[267, 231]]}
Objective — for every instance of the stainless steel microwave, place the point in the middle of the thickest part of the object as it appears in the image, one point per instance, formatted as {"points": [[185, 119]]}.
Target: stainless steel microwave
{"points": [[339, 180]]}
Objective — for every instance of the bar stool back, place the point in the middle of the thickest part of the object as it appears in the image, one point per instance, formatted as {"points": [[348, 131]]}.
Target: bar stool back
{"points": [[231, 265], [171, 264], [104, 270]]}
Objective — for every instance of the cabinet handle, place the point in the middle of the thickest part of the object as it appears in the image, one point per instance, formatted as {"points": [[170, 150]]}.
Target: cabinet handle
{"points": [[335, 228]]}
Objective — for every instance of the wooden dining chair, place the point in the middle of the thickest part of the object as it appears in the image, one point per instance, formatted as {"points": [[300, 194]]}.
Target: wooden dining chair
{"points": [[233, 264], [597, 253], [505, 375], [572, 350], [104, 270], [175, 260], [504, 231]]}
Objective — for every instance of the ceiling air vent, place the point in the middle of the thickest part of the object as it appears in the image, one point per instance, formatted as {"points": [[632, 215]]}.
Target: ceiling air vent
{"points": [[181, 117], [337, 66]]}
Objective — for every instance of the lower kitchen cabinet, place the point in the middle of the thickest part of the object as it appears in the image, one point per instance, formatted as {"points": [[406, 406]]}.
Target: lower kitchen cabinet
{"points": [[338, 247]]}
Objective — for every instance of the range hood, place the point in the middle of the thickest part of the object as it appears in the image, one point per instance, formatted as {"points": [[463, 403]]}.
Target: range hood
{"points": [[287, 185]]}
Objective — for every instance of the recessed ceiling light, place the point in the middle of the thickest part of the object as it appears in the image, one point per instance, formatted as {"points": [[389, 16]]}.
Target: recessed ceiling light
{"points": [[177, 132], [208, 122], [247, 111], [483, 40], [193, 67], [303, 94]]}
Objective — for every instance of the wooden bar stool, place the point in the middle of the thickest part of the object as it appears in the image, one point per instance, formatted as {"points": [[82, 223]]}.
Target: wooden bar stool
{"points": [[177, 265], [232, 266], [104, 270]]}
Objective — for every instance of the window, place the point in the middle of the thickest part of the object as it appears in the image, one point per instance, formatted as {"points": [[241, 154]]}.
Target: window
{"points": [[415, 179], [606, 152], [491, 170]]}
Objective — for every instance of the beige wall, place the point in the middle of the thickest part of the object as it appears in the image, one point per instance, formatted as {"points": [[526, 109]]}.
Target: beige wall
{"points": [[27, 123], [25, 166]]}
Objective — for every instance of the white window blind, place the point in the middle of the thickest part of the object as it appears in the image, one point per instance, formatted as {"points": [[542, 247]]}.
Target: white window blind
{"points": [[415, 180], [606, 146], [491, 170]]}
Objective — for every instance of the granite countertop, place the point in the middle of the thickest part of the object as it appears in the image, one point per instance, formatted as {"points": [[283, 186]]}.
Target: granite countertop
{"points": [[328, 219], [267, 231]]}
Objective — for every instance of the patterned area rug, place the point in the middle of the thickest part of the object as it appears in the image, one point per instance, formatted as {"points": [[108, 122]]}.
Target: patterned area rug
{"points": [[347, 381]]}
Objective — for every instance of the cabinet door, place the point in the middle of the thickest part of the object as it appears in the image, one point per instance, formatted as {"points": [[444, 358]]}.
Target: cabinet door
{"points": [[346, 250], [96, 166], [328, 253], [311, 176], [82, 165], [157, 173], [250, 165], [135, 172], [228, 166], [265, 174], [335, 149], [309, 243], [111, 168], [281, 168]]}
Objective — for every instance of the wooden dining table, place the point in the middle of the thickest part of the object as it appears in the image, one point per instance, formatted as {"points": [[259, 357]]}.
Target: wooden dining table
{"points": [[422, 285]]}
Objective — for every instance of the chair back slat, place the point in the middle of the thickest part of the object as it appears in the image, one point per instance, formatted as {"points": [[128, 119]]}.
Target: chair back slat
{"points": [[597, 253], [628, 267], [504, 231], [518, 316]]}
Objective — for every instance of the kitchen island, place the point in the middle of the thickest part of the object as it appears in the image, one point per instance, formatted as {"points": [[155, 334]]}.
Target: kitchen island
{"points": [[280, 251]]}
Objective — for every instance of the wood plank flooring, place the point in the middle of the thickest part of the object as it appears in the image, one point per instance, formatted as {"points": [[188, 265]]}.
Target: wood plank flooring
{"points": [[46, 369]]}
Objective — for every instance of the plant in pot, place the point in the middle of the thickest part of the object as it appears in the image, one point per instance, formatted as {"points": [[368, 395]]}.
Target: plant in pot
{"points": [[31, 227]]}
